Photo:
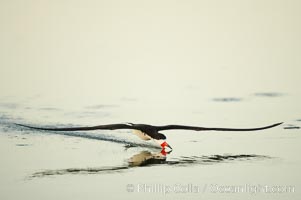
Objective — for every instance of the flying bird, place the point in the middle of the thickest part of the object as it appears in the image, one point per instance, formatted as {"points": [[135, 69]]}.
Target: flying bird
{"points": [[148, 132]]}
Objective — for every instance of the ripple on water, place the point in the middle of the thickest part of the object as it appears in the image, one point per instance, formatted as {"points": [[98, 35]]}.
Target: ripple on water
{"points": [[291, 126], [101, 106], [215, 159], [227, 99], [23, 145], [268, 94], [49, 109]]}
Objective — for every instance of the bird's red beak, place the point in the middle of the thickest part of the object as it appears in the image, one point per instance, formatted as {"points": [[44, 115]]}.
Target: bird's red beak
{"points": [[164, 145]]}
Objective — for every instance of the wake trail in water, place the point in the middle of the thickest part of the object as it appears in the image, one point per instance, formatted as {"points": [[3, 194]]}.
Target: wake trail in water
{"points": [[6, 126]]}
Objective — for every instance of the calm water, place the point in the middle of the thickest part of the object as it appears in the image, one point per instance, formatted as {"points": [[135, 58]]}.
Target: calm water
{"points": [[43, 164]]}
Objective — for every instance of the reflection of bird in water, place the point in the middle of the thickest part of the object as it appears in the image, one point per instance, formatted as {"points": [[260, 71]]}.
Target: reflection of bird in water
{"points": [[147, 158], [148, 132]]}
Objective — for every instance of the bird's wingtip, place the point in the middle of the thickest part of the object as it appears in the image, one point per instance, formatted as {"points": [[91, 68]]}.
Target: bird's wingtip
{"points": [[277, 124], [18, 124]]}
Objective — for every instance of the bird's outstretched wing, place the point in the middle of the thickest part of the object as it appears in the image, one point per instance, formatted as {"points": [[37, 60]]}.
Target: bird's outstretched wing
{"points": [[196, 128], [86, 128]]}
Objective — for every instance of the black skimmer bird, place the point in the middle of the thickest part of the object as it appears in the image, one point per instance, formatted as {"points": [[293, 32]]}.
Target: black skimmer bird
{"points": [[148, 132]]}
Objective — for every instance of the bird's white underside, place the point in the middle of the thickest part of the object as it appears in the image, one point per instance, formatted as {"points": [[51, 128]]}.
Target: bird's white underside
{"points": [[141, 135]]}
